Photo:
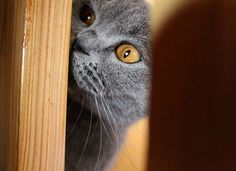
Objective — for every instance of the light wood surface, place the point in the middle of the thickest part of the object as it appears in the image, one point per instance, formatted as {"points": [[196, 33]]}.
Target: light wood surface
{"points": [[34, 44], [133, 155]]}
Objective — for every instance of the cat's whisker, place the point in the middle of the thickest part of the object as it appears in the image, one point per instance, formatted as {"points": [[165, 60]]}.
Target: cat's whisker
{"points": [[126, 154], [100, 146], [115, 125], [100, 118], [98, 79], [77, 120], [87, 138], [96, 88], [114, 132], [71, 104]]}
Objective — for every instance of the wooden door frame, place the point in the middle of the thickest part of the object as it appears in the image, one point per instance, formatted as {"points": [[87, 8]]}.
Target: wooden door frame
{"points": [[34, 49]]}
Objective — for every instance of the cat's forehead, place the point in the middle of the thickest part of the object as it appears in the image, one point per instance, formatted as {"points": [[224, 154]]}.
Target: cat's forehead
{"points": [[119, 10], [120, 7], [128, 17]]}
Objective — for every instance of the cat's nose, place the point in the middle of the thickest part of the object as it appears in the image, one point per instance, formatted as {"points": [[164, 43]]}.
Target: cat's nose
{"points": [[85, 42], [77, 46]]}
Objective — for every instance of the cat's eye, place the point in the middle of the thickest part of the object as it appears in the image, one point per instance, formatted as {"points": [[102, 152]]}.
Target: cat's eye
{"points": [[127, 53], [87, 15]]}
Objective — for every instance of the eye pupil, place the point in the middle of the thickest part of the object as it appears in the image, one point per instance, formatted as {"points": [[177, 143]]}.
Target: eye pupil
{"points": [[127, 53], [88, 17]]}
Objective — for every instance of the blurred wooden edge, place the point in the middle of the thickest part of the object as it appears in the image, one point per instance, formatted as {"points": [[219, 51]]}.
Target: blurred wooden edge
{"points": [[34, 49], [192, 124]]}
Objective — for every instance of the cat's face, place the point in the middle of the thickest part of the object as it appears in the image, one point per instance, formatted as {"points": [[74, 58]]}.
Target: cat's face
{"points": [[110, 58]]}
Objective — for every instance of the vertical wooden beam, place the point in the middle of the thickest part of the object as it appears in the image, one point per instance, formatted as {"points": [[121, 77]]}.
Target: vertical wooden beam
{"points": [[11, 39], [34, 48], [193, 108]]}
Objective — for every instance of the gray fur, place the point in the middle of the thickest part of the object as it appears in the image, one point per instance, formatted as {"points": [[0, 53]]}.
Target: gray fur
{"points": [[105, 95]]}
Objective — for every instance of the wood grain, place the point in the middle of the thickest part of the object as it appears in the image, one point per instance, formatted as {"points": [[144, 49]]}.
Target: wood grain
{"points": [[193, 108], [34, 44]]}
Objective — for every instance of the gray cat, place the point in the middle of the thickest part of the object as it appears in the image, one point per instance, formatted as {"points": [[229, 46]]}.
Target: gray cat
{"points": [[109, 79]]}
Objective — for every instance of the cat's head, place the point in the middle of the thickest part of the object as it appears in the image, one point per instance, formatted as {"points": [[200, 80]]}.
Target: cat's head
{"points": [[110, 62]]}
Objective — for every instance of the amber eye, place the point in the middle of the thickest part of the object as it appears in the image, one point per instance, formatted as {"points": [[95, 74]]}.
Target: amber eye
{"points": [[127, 53], [87, 15]]}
